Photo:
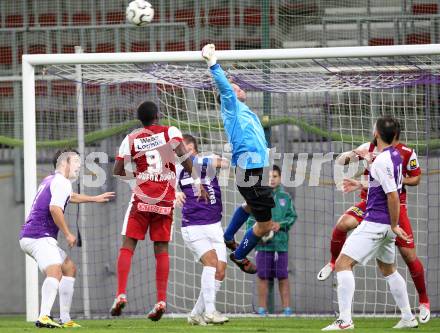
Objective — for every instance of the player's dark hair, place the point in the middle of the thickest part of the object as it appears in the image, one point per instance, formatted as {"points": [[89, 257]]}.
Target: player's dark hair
{"points": [[277, 169], [188, 138], [387, 128], [147, 113], [61, 152]]}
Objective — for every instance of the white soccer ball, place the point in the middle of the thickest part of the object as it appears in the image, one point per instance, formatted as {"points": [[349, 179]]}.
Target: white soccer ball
{"points": [[139, 12]]}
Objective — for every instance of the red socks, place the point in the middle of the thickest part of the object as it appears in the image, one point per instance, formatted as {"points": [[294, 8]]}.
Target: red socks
{"points": [[162, 271], [336, 244], [418, 275], [124, 265]]}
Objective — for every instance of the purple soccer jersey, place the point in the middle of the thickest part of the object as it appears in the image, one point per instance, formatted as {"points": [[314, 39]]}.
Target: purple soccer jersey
{"points": [[195, 212], [385, 177], [54, 190]]}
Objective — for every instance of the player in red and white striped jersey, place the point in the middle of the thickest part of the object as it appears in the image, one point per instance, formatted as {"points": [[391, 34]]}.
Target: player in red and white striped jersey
{"points": [[354, 216], [154, 149]]}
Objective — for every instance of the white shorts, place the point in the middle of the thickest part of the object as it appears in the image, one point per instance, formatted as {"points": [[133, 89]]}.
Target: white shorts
{"points": [[371, 240], [203, 238], [45, 251]]}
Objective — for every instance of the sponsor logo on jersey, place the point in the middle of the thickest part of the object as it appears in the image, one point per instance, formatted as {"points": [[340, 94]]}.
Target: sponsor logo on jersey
{"points": [[413, 164], [359, 212], [390, 173], [150, 142]]}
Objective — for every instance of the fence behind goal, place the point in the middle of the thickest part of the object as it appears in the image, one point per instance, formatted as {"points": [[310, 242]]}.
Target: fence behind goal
{"points": [[314, 108]]}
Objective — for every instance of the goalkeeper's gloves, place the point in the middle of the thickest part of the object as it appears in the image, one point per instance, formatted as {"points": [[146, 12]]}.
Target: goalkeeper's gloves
{"points": [[208, 52]]}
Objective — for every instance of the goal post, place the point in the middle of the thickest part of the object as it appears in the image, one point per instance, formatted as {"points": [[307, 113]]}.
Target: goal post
{"points": [[263, 80]]}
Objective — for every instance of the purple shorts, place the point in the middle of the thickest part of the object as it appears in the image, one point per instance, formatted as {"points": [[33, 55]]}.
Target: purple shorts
{"points": [[272, 265]]}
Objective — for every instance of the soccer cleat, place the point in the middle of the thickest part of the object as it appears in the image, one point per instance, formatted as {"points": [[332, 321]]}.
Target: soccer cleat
{"points": [[424, 313], [70, 324], [214, 318], [119, 304], [231, 244], [225, 319], [339, 325], [196, 320], [157, 312], [47, 322], [325, 272], [407, 324], [287, 311], [262, 312], [244, 264]]}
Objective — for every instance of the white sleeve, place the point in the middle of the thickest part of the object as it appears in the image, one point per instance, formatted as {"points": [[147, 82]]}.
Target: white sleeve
{"points": [[383, 172], [364, 146], [124, 148], [174, 133], [60, 190], [413, 162]]}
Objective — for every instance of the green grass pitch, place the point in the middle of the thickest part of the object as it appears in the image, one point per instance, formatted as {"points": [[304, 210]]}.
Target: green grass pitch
{"points": [[270, 325]]}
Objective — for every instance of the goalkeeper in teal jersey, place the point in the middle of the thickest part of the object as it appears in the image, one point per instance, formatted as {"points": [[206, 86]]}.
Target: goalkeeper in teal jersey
{"points": [[250, 155]]}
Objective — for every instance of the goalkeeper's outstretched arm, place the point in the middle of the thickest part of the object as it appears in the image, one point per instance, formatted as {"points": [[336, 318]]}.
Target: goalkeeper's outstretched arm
{"points": [[227, 94]]}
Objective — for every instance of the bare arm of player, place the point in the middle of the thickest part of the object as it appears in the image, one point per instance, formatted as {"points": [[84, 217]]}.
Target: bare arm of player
{"points": [[187, 165], [58, 217], [393, 201], [412, 181], [82, 198]]}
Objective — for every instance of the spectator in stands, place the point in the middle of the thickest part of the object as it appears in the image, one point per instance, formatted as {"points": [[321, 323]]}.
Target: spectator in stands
{"points": [[272, 251]]}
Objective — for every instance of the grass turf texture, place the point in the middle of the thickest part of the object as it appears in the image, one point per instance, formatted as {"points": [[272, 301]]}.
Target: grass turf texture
{"points": [[270, 325]]}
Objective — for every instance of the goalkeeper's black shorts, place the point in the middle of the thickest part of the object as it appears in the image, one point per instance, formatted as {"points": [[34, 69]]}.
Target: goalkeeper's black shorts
{"points": [[253, 185]]}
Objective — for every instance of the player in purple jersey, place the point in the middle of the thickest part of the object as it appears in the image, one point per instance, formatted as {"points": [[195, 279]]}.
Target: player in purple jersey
{"points": [[202, 231], [375, 236], [38, 236]]}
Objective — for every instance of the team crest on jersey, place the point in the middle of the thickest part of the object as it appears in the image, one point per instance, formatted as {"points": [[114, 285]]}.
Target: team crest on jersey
{"points": [[413, 164], [282, 202], [150, 142]]}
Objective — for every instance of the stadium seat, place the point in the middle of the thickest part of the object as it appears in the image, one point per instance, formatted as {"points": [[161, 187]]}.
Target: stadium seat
{"points": [[6, 89], [5, 55], [175, 46], [185, 15], [47, 19], [14, 21], [63, 88], [115, 17], [424, 8], [105, 48], [68, 49], [252, 16], [41, 88], [219, 17], [92, 89], [81, 19], [37, 49], [134, 88], [381, 41], [418, 38], [143, 46]]}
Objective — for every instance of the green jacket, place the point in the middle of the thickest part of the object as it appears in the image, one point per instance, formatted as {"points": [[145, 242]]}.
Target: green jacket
{"points": [[283, 213]]}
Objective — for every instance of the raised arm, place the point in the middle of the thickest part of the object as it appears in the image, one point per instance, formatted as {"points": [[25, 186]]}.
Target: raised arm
{"points": [[82, 198], [227, 95]]}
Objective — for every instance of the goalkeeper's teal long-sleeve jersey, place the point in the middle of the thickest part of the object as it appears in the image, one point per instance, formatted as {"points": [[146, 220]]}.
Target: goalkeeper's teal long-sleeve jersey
{"points": [[243, 127]]}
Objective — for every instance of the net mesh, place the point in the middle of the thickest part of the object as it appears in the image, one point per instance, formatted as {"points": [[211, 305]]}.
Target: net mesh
{"points": [[317, 107]]}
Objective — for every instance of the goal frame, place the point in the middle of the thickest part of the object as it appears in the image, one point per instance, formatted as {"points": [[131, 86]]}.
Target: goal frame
{"points": [[29, 108]]}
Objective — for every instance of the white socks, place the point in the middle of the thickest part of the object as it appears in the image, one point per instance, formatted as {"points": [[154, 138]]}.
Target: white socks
{"points": [[208, 288], [345, 294], [66, 294], [49, 291], [199, 307], [398, 288]]}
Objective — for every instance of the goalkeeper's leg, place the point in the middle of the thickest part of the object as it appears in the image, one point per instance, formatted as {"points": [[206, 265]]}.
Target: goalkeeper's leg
{"points": [[239, 217]]}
